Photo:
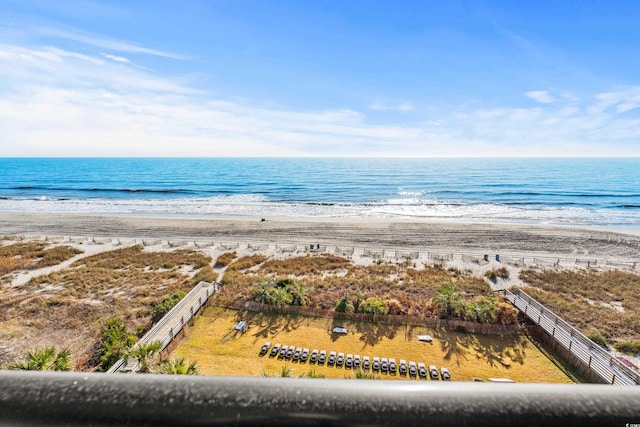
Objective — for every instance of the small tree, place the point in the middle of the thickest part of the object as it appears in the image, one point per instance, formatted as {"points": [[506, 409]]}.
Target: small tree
{"points": [[144, 354], [279, 297], [449, 301], [45, 359], [374, 306], [343, 305], [114, 340], [177, 367], [358, 300], [262, 291], [298, 294]]}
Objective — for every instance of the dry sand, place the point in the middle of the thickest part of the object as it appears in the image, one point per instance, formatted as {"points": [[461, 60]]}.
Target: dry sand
{"points": [[445, 237]]}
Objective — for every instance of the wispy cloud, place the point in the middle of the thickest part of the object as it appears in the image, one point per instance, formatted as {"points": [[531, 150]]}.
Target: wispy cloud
{"points": [[59, 102], [103, 42], [541, 96], [116, 58], [387, 106], [622, 100]]}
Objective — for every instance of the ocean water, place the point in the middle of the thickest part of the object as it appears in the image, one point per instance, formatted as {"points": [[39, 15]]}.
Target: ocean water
{"points": [[589, 192]]}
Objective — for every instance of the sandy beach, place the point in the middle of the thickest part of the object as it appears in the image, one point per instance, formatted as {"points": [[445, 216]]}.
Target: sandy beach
{"points": [[445, 237]]}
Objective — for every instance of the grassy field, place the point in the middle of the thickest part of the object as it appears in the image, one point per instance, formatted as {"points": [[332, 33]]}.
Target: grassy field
{"points": [[219, 350]]}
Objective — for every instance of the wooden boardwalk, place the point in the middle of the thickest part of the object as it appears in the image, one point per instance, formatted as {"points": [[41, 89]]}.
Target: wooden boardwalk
{"points": [[172, 323], [596, 358]]}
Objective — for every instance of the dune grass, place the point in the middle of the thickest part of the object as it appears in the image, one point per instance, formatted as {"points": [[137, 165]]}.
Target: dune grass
{"points": [[71, 305], [584, 299], [219, 350], [33, 255]]}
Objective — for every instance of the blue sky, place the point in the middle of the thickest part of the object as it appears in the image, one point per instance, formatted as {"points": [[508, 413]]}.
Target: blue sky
{"points": [[319, 78]]}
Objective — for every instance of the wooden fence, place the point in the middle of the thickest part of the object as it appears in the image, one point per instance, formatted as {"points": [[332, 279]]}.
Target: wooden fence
{"points": [[429, 321]]}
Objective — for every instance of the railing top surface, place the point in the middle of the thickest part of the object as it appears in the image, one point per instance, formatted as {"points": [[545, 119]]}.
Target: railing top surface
{"points": [[28, 398]]}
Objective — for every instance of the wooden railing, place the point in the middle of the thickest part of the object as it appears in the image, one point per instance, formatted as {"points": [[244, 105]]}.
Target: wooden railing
{"points": [[595, 357], [172, 323]]}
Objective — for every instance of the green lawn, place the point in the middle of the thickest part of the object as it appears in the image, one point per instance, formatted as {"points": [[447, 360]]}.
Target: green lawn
{"points": [[219, 350]]}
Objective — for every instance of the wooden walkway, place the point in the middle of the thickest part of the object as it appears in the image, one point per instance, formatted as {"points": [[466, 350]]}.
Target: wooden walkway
{"points": [[172, 323], [599, 360]]}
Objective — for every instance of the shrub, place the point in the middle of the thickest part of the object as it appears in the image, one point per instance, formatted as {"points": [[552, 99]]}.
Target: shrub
{"points": [[279, 293], [344, 305], [46, 359], [373, 305], [225, 259], [160, 308], [628, 347], [177, 366], [114, 340], [493, 274], [598, 338]]}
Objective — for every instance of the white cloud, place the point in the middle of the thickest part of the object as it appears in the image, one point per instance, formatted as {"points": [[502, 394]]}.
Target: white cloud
{"points": [[55, 102], [541, 96], [116, 58], [624, 100], [402, 107], [104, 42]]}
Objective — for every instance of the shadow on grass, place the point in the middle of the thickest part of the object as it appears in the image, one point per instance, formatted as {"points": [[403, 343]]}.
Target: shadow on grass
{"points": [[495, 351], [370, 332], [510, 349], [454, 345], [269, 325]]}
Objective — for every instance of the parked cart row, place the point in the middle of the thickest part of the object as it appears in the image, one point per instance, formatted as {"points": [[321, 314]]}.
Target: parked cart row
{"points": [[376, 364]]}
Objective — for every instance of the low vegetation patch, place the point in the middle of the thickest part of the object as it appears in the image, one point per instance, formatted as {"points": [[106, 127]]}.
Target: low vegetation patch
{"points": [[334, 283], [587, 299], [496, 273], [628, 347], [73, 305], [32, 256], [225, 259]]}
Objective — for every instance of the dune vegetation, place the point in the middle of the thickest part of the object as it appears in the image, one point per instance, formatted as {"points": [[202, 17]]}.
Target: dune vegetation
{"points": [[598, 303], [335, 283], [71, 306]]}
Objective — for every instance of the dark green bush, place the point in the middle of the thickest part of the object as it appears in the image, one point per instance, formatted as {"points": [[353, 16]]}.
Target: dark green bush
{"points": [[159, 309], [114, 339]]}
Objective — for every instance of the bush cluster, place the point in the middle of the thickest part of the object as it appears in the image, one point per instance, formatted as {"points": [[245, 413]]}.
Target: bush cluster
{"points": [[160, 308], [282, 292], [114, 340]]}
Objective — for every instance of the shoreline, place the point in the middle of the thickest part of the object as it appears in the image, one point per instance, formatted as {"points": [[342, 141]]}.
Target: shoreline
{"points": [[446, 236]]}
